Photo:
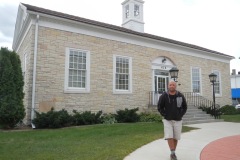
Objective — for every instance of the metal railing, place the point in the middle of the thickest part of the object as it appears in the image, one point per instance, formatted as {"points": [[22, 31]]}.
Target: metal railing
{"points": [[193, 99]]}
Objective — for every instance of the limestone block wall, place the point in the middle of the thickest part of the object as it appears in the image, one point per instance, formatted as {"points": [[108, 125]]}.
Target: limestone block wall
{"points": [[52, 45], [27, 47]]}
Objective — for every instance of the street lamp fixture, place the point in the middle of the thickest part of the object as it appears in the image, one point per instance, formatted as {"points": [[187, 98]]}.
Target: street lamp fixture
{"points": [[213, 78], [174, 73]]}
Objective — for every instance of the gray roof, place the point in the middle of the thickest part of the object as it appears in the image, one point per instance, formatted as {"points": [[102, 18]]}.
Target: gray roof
{"points": [[117, 28]]}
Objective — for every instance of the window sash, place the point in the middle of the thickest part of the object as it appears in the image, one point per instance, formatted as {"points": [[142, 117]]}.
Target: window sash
{"points": [[196, 85], [122, 77], [77, 71], [217, 83]]}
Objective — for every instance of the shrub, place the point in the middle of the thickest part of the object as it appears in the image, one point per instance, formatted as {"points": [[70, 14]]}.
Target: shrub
{"points": [[86, 118], [150, 117], [229, 110], [108, 119], [53, 119], [11, 91], [127, 115]]}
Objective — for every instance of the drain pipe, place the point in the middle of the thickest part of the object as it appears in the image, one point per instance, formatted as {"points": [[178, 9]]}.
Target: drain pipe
{"points": [[34, 71]]}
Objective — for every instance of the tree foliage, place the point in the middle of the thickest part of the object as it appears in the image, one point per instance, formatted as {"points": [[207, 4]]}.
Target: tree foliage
{"points": [[11, 89]]}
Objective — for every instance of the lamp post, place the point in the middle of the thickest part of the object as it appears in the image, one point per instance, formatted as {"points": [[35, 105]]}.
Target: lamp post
{"points": [[213, 78], [174, 73]]}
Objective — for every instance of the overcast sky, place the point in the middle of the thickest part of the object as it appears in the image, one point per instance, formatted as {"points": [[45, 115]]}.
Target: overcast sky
{"points": [[213, 24]]}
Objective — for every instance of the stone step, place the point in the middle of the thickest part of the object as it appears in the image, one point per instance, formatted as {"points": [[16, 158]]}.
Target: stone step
{"points": [[193, 115], [186, 122], [195, 112], [197, 116]]}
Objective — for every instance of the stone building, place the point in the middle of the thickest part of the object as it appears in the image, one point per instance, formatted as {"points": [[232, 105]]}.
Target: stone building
{"points": [[75, 63]]}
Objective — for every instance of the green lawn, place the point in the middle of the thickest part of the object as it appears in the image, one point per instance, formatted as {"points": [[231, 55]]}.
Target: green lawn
{"points": [[231, 118], [96, 142]]}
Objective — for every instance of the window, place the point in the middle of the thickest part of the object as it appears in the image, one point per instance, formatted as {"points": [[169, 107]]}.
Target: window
{"points": [[196, 83], [217, 85], [122, 74], [77, 71], [127, 11], [136, 10]]}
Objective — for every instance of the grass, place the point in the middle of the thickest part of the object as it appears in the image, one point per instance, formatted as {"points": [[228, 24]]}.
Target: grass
{"points": [[231, 118], [103, 142]]}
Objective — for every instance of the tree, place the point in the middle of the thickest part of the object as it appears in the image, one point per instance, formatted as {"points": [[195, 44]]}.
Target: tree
{"points": [[11, 89]]}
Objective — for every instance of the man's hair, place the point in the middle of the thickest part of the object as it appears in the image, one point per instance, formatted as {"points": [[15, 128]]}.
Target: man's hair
{"points": [[172, 81]]}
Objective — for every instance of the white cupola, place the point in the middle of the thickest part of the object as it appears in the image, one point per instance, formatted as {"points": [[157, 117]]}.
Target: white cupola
{"points": [[132, 15]]}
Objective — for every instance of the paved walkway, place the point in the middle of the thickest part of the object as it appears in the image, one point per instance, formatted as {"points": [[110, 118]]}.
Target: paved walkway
{"points": [[193, 143], [227, 148]]}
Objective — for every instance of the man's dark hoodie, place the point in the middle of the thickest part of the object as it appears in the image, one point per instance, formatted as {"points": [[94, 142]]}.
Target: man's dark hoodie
{"points": [[172, 107]]}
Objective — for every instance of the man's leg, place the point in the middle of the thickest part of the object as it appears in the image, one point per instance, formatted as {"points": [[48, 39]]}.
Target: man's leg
{"points": [[168, 134], [175, 143], [171, 144]]}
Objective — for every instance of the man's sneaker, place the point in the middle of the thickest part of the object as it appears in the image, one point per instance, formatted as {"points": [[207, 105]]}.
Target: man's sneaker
{"points": [[173, 157]]}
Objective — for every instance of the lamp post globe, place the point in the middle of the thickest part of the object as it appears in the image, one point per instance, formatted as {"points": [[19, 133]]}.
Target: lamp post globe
{"points": [[174, 73], [212, 77]]}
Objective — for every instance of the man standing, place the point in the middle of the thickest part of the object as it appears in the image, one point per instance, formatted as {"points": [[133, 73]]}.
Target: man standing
{"points": [[172, 106]]}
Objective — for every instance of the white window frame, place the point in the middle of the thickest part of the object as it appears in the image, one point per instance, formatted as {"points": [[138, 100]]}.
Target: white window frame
{"points": [[220, 84], [76, 89], [117, 91], [200, 78]]}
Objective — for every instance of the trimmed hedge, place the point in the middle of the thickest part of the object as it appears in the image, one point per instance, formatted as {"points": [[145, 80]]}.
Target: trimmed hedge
{"points": [[58, 119], [127, 116], [53, 119], [229, 110]]}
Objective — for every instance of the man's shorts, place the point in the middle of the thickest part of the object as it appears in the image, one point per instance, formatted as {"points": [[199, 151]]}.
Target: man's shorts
{"points": [[172, 129]]}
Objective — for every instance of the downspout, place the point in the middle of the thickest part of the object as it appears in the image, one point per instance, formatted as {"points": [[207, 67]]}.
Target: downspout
{"points": [[34, 71]]}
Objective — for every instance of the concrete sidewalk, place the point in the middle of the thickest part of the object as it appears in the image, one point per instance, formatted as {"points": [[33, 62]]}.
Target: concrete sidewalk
{"points": [[190, 145]]}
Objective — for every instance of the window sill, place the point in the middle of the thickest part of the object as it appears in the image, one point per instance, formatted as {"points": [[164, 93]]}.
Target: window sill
{"points": [[76, 91], [122, 92], [218, 95]]}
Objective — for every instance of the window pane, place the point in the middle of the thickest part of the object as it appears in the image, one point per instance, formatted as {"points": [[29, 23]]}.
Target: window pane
{"points": [[196, 80], [217, 83], [122, 73], [77, 69]]}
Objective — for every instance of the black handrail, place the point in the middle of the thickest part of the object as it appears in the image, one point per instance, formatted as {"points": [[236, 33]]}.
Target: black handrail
{"points": [[193, 99]]}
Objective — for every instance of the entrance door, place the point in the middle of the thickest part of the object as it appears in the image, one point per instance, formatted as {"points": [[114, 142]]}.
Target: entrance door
{"points": [[161, 83]]}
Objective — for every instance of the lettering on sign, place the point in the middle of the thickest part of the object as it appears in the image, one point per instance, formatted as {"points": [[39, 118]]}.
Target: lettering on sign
{"points": [[163, 67]]}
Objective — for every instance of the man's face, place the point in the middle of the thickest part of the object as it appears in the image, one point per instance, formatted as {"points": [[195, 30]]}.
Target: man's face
{"points": [[172, 86]]}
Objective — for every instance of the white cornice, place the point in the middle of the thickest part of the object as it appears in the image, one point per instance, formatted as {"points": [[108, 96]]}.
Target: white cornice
{"points": [[19, 37], [101, 32]]}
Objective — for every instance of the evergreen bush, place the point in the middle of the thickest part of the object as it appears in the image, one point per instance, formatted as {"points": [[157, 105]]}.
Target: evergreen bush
{"points": [[86, 118], [11, 89], [127, 115], [53, 119], [229, 110]]}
